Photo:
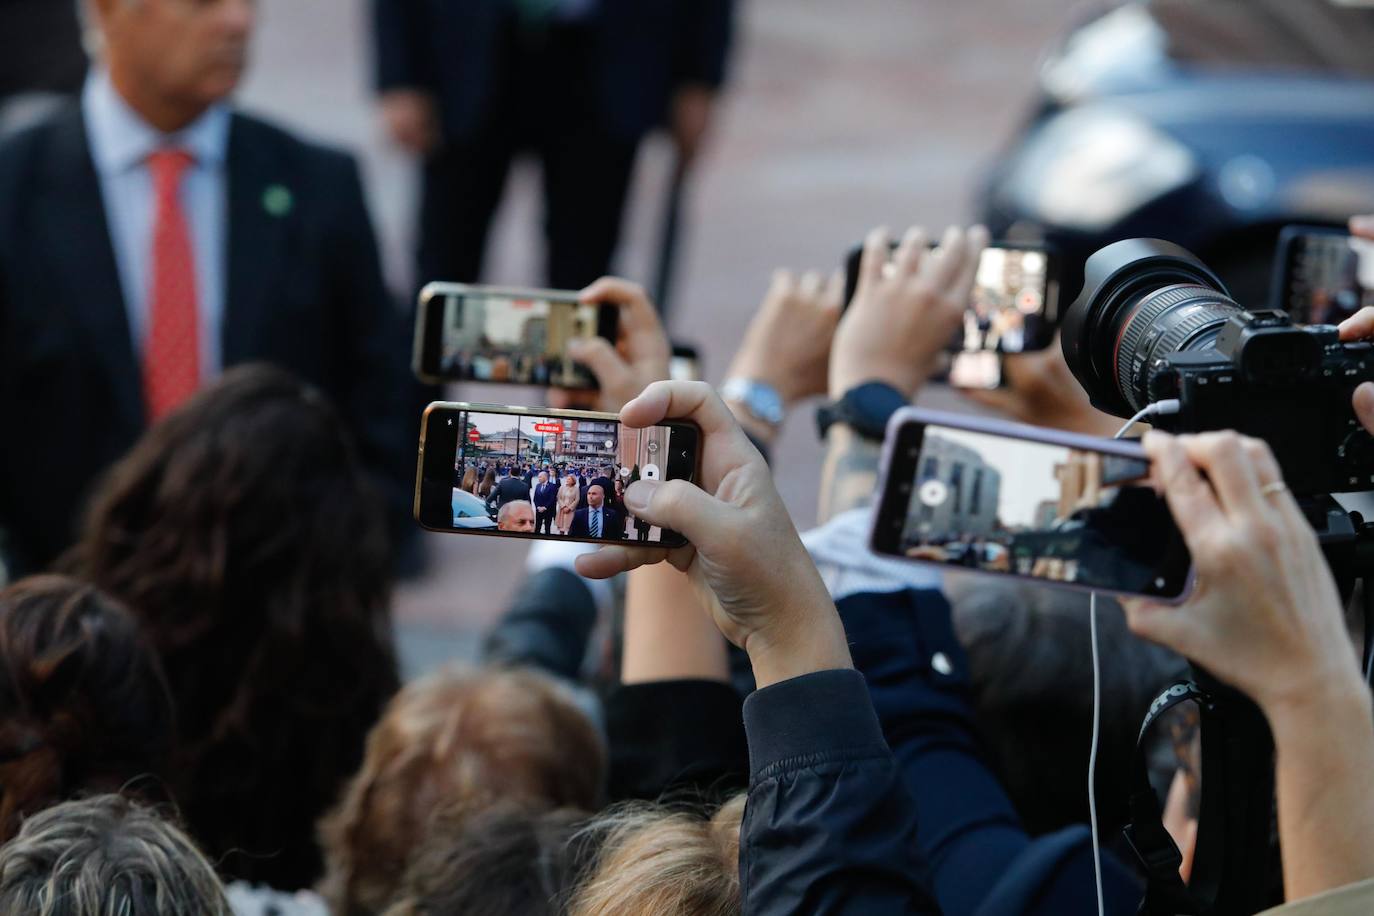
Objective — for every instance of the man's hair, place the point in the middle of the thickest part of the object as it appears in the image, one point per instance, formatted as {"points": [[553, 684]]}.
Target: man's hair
{"points": [[83, 704], [243, 533], [512, 858], [505, 511], [453, 739], [106, 856], [1030, 659], [663, 861]]}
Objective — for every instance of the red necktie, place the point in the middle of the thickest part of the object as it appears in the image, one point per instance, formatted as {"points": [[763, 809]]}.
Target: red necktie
{"points": [[171, 355]]}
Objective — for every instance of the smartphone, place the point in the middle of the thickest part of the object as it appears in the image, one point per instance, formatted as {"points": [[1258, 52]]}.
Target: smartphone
{"points": [[1003, 499], [506, 336], [1015, 304], [685, 365], [1322, 276], [479, 468]]}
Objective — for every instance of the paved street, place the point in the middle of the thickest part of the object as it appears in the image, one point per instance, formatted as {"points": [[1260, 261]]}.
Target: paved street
{"points": [[843, 115]]}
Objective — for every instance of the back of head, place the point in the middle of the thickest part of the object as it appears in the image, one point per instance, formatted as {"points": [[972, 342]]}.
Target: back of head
{"points": [[83, 705], [454, 740], [669, 863], [509, 859], [242, 532], [1030, 656], [106, 856]]}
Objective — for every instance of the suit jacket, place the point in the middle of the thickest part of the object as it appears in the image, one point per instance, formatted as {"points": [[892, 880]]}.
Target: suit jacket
{"points": [[546, 495], [647, 49], [612, 524], [304, 291], [510, 489]]}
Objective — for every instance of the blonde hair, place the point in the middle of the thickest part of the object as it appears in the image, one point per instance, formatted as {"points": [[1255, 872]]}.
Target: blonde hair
{"points": [[106, 856], [456, 738], [669, 863]]}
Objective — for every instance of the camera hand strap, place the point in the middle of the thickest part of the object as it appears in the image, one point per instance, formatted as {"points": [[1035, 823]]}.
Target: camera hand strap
{"points": [[1166, 894]]}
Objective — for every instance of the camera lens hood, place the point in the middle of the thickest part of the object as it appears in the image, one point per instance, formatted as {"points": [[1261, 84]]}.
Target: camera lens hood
{"points": [[1115, 279]]}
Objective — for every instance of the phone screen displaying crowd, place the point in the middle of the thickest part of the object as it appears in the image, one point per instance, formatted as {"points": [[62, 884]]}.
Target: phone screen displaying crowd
{"points": [[553, 476], [1040, 510], [1327, 278], [490, 337]]}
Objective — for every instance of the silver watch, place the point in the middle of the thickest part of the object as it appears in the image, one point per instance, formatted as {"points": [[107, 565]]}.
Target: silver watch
{"points": [[760, 400]]}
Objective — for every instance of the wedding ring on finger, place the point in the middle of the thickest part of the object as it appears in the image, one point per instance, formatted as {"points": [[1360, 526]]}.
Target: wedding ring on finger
{"points": [[1277, 486]]}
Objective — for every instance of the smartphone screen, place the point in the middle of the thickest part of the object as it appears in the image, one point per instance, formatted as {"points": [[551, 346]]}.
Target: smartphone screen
{"points": [[1014, 307], [512, 472], [1325, 275], [485, 334], [1057, 508]]}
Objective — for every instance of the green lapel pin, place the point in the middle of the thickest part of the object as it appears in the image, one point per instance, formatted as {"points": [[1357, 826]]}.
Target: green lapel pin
{"points": [[277, 200]]}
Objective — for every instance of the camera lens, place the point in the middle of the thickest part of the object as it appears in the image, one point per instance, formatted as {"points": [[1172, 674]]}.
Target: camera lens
{"points": [[1142, 300]]}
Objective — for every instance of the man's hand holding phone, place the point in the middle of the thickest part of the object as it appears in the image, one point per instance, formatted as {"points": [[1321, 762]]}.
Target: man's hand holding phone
{"points": [[745, 557], [640, 355]]}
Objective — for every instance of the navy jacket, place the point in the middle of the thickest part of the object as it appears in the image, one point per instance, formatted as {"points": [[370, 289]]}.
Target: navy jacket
{"points": [[612, 523], [647, 48], [305, 292], [546, 495]]}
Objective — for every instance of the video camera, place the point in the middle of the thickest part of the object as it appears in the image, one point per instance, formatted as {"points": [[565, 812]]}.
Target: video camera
{"points": [[1153, 323]]}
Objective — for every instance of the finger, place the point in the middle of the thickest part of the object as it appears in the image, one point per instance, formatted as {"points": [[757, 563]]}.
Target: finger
{"points": [[1168, 626], [1359, 325], [695, 401], [780, 286], [1222, 457], [942, 268], [611, 560], [639, 327], [1363, 226], [1268, 473], [875, 256], [974, 243], [810, 285], [676, 505], [1191, 501], [910, 251], [1364, 405], [600, 356], [832, 297]]}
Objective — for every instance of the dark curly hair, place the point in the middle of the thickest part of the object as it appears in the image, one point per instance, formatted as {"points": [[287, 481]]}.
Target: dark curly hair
{"points": [[83, 705], [242, 532]]}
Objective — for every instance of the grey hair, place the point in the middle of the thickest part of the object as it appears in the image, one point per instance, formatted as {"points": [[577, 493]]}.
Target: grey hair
{"points": [[106, 856], [506, 509]]}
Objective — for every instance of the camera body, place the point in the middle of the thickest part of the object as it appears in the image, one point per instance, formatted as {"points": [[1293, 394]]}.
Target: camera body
{"points": [[1152, 324]]}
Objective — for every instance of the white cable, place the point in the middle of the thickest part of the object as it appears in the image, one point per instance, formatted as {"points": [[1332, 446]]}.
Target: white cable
{"points": [[1157, 409]]}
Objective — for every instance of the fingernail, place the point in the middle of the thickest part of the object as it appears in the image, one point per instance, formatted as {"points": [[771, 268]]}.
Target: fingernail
{"points": [[639, 494]]}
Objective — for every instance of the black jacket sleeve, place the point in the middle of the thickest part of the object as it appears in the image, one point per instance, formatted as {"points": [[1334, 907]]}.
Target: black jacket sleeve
{"points": [[829, 827], [671, 737], [401, 52], [702, 40]]}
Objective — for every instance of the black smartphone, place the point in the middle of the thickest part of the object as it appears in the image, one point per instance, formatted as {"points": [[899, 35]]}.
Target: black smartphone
{"points": [[685, 365], [994, 497], [506, 336], [1321, 275], [1015, 304], [543, 473]]}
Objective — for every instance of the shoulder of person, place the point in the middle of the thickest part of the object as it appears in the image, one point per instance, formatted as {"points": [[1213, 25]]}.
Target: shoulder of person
{"points": [[1352, 900], [287, 150], [27, 153]]}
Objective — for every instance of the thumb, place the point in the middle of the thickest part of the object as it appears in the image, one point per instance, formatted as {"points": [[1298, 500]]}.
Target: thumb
{"points": [[1167, 626], [675, 504], [1364, 405], [598, 355]]}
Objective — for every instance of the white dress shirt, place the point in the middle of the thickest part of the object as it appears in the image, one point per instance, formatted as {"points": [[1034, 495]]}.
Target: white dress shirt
{"points": [[120, 142]]}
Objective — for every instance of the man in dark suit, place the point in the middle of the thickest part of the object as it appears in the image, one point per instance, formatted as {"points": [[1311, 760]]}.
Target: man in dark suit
{"points": [[149, 238], [510, 488], [598, 520], [545, 503], [470, 84]]}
